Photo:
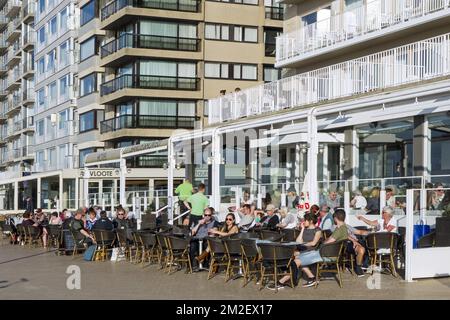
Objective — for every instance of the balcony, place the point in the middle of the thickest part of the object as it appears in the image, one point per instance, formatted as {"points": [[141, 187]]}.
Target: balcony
{"points": [[28, 97], [274, 13], [145, 122], [3, 45], [19, 154], [13, 8], [149, 82], [141, 41], [3, 21], [380, 71], [29, 40], [13, 105], [377, 21], [177, 5], [28, 11], [27, 69], [12, 33], [68, 162]]}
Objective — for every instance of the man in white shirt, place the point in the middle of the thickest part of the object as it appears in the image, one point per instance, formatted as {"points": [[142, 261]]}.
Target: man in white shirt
{"points": [[386, 224]]}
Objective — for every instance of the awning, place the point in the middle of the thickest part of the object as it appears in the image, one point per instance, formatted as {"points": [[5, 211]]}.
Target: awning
{"points": [[301, 137], [114, 155]]}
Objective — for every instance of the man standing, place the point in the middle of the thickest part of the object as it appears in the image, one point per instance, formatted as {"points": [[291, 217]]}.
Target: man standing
{"points": [[184, 191], [197, 203]]}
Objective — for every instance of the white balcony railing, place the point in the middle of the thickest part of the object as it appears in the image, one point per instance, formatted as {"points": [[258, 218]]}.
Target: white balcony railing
{"points": [[350, 24], [66, 162], [414, 62]]}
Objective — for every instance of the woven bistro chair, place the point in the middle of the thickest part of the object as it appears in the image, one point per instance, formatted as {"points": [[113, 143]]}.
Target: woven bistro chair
{"points": [[331, 254], [54, 237], [382, 247], [274, 259], [250, 261], [138, 247], [218, 255], [123, 243], [163, 249], [150, 243], [234, 257], [178, 252], [105, 240]]}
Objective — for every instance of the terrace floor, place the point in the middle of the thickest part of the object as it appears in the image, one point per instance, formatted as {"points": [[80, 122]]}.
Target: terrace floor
{"points": [[37, 274]]}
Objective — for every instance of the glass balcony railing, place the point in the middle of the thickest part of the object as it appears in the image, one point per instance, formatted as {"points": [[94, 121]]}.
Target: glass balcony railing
{"points": [[129, 40], [374, 16], [146, 121], [178, 5], [382, 70], [149, 82]]}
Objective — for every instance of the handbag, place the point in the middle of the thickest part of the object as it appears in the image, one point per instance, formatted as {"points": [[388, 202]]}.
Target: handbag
{"points": [[89, 253], [420, 230], [115, 254]]}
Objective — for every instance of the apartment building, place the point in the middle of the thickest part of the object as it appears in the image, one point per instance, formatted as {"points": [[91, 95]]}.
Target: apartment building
{"points": [[16, 92], [121, 73], [363, 103]]}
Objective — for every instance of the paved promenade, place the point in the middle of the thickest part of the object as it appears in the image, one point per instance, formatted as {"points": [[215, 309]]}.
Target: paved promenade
{"points": [[36, 274]]}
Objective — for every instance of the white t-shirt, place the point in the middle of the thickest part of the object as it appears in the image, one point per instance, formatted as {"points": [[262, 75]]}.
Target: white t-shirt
{"points": [[391, 202], [391, 222], [360, 202]]}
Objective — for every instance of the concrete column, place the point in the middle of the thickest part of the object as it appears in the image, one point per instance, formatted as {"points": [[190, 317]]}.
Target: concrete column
{"points": [[77, 193], [313, 148], [421, 147], [61, 193], [288, 168], [100, 192], [16, 195], [170, 168], [297, 164], [123, 172], [86, 188], [38, 199]]}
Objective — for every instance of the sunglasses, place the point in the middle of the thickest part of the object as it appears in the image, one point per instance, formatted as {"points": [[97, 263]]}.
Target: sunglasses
{"points": [[120, 214], [207, 215], [229, 219]]}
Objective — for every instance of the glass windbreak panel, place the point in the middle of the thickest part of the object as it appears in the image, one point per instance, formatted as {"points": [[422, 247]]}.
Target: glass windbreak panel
{"points": [[7, 196], [439, 151], [68, 200], [385, 149]]}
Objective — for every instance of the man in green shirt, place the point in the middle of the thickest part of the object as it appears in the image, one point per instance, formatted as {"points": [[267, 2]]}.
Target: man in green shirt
{"points": [[197, 203], [184, 191]]}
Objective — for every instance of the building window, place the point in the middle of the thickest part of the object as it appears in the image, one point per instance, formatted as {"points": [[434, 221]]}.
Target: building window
{"points": [[52, 93], [41, 99], [62, 119], [63, 19], [168, 69], [87, 48], [88, 84], [231, 32], [235, 71], [270, 41], [52, 27], [64, 88], [40, 127], [51, 61], [271, 74], [63, 54], [41, 36], [88, 12], [88, 121], [41, 66]]}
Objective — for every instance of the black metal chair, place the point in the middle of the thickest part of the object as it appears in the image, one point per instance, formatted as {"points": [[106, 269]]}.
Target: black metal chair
{"points": [[218, 255], [78, 243], [234, 256], [123, 243], [54, 237], [250, 260], [245, 235], [326, 234], [6, 232], [274, 259], [163, 250], [427, 241], [105, 240], [22, 234], [33, 235], [179, 252], [382, 248], [348, 256], [331, 254], [148, 221], [150, 247], [290, 235], [138, 247]]}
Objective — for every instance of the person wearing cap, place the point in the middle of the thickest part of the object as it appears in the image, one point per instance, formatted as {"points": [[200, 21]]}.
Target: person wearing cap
{"points": [[271, 220]]}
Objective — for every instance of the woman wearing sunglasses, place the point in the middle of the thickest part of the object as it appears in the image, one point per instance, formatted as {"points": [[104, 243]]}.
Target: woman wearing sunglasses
{"points": [[230, 227]]}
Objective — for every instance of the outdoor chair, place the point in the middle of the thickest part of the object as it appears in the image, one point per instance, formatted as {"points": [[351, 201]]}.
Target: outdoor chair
{"points": [[138, 247], [54, 237], [124, 244], [218, 255], [22, 234], [276, 262], [163, 250], [427, 241], [326, 234], [245, 235], [382, 248], [150, 247], [250, 260], [234, 257], [179, 253], [290, 235], [105, 240], [6, 232], [78, 243], [348, 257], [331, 254], [148, 221], [33, 236]]}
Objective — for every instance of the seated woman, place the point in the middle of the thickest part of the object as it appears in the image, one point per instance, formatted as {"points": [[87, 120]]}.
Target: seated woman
{"points": [[55, 219], [230, 227], [309, 237]]}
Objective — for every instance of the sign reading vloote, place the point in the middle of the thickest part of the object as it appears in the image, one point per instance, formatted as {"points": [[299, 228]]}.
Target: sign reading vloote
{"points": [[99, 173]]}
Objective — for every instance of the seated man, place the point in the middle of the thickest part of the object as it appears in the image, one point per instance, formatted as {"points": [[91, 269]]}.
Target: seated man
{"points": [[269, 221], [386, 224], [246, 216], [124, 222], [288, 219], [76, 226], [103, 223], [356, 248], [200, 232], [325, 219]]}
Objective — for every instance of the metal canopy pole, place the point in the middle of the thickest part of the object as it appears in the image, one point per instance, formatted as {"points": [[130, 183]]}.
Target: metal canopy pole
{"points": [[123, 171], [170, 168]]}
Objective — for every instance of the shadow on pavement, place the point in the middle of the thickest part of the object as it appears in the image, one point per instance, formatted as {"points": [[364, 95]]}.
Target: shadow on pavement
{"points": [[26, 257], [12, 283]]}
